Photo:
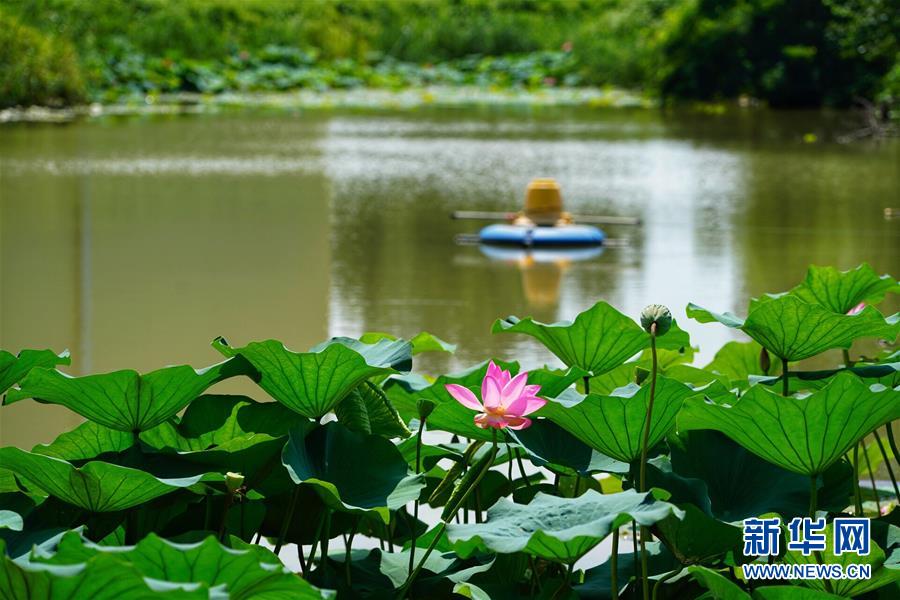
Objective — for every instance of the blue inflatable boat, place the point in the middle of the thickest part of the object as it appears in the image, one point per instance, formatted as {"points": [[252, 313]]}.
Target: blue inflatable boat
{"points": [[528, 236]]}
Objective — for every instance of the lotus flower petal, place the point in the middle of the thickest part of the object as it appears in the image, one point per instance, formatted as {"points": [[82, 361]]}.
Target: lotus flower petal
{"points": [[464, 396]]}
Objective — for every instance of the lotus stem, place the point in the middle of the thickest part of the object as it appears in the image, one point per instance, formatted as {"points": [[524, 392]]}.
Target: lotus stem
{"points": [[664, 579], [301, 559], [813, 506], [535, 576], [323, 555], [522, 468], [857, 492], [887, 463], [614, 565], [813, 496], [229, 501], [889, 432], [347, 549], [401, 593], [872, 480], [635, 561], [315, 544], [847, 362], [207, 513], [412, 546], [285, 525], [786, 387], [645, 580]]}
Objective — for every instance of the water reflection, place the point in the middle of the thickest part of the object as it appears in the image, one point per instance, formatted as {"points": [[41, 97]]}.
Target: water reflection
{"points": [[134, 242]]}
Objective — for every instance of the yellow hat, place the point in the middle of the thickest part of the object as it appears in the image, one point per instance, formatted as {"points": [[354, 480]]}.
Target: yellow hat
{"points": [[542, 196]]}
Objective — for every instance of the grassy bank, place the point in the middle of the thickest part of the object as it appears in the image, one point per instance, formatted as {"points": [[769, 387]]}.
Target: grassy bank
{"points": [[785, 52]]}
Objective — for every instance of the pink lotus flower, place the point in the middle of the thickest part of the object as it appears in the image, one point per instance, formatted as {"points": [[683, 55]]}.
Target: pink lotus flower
{"points": [[856, 309], [506, 399]]}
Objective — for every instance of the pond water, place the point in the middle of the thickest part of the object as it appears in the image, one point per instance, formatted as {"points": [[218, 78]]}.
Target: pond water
{"points": [[135, 241]]}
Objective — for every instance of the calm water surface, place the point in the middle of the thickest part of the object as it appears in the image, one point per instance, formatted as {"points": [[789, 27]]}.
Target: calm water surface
{"points": [[134, 242]]}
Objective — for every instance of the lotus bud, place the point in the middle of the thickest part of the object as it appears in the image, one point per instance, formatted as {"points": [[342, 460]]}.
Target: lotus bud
{"points": [[658, 314], [233, 481], [425, 408], [765, 363]]}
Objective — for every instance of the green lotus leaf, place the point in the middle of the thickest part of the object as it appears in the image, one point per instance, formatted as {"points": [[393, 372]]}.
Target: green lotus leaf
{"points": [[848, 588], [104, 578], [613, 424], [248, 572], [351, 471], [598, 340], [839, 291], [214, 420], [697, 537], [554, 528], [11, 520], [96, 487], [739, 484], [549, 445], [312, 383], [86, 441], [14, 367], [792, 329], [719, 586], [738, 361], [597, 583], [368, 409], [125, 400], [887, 374], [421, 342], [803, 435]]}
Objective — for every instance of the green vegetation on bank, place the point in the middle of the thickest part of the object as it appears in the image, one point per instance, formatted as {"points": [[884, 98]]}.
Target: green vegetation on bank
{"points": [[785, 52]]}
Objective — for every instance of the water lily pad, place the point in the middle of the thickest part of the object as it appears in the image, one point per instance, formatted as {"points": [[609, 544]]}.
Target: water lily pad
{"points": [[96, 487], [312, 383], [598, 340], [351, 471], [125, 400], [803, 435], [14, 367], [554, 528], [792, 329], [613, 424]]}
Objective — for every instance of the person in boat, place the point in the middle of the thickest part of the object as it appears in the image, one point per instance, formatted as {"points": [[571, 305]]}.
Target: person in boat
{"points": [[543, 205]]}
